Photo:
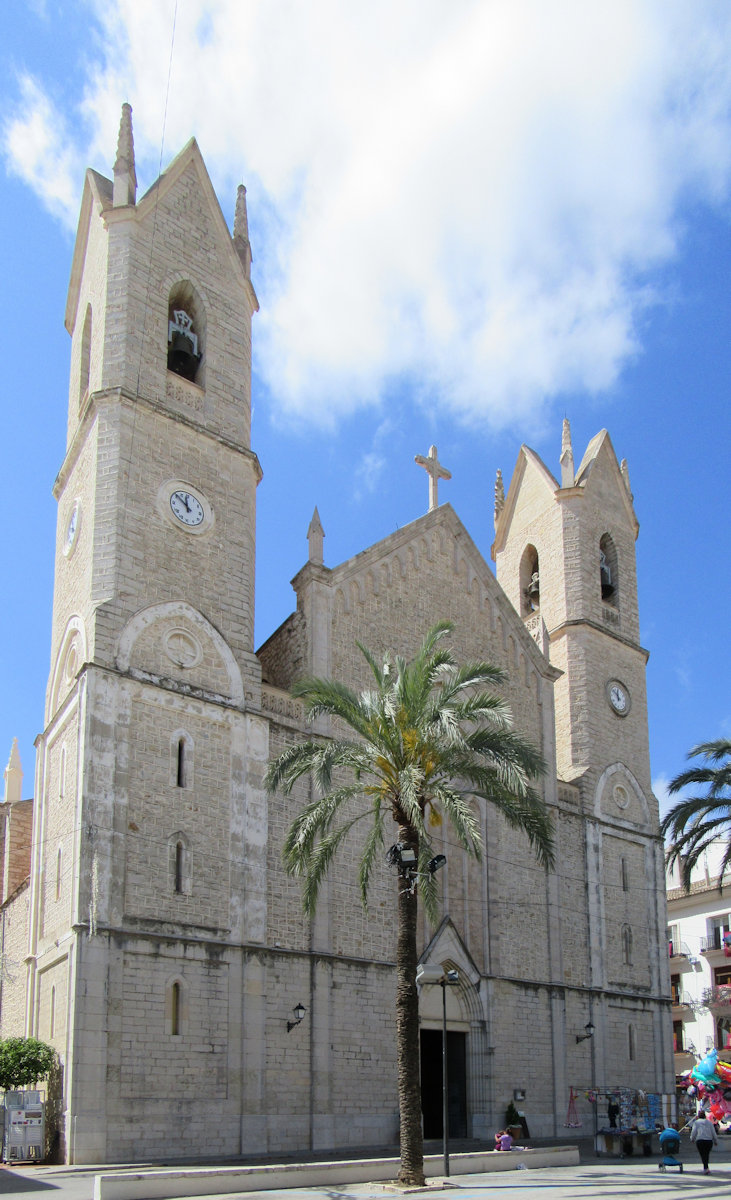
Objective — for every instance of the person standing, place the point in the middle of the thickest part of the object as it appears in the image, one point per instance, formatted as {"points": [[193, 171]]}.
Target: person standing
{"points": [[703, 1134]]}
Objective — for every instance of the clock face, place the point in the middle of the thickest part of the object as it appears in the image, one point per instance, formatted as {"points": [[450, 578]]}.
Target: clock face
{"points": [[618, 697], [72, 529], [187, 508]]}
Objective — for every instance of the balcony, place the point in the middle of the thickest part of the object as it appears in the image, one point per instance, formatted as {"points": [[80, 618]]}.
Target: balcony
{"points": [[681, 956], [717, 945], [718, 999], [683, 1005]]}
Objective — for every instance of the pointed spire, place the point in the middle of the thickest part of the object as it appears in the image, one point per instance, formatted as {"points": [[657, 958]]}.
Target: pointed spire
{"points": [[241, 231], [624, 469], [315, 535], [567, 456], [499, 495], [125, 178], [13, 776]]}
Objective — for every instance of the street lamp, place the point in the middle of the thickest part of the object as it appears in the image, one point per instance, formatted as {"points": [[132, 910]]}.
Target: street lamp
{"points": [[445, 979], [299, 1011], [588, 1035]]}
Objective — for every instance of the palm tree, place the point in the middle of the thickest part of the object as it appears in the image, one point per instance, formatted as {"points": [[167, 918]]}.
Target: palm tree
{"points": [[697, 821], [429, 739]]}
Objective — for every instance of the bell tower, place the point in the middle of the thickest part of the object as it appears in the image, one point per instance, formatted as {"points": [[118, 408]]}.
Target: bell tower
{"points": [[150, 831], [565, 555]]}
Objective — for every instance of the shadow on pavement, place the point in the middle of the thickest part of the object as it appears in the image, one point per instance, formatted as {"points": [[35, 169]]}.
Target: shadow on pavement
{"points": [[12, 1184]]}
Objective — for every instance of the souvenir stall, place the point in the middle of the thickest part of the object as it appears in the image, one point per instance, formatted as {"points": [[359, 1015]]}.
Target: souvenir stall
{"points": [[626, 1119]]}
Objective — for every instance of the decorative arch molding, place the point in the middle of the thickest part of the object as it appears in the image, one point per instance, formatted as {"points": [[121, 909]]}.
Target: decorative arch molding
{"points": [[615, 790], [181, 611], [71, 656]]}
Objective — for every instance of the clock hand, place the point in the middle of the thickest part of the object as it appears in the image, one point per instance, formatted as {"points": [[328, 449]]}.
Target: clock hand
{"points": [[186, 498]]}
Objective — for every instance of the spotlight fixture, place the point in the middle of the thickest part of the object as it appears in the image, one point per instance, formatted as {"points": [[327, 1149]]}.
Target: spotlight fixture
{"points": [[435, 864]]}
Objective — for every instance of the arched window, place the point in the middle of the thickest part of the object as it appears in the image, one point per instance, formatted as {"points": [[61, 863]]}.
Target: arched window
{"points": [[85, 357], [608, 571], [179, 864], [627, 945], [186, 333], [181, 759], [530, 584], [180, 770], [175, 1007], [59, 872]]}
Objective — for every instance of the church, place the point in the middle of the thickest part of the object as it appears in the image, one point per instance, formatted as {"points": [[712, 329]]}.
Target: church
{"points": [[154, 937]]}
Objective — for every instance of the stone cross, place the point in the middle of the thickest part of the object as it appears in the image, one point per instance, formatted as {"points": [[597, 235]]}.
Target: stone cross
{"points": [[435, 471]]}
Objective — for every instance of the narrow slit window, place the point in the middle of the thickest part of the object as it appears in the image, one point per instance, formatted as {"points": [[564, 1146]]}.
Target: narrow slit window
{"points": [[631, 1041], [52, 1013], [625, 875], [59, 872], [181, 763], [179, 864], [627, 945], [175, 1009]]}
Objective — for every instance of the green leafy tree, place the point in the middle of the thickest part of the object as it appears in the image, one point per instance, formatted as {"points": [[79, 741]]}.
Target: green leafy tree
{"points": [[430, 737], [697, 821], [24, 1061]]}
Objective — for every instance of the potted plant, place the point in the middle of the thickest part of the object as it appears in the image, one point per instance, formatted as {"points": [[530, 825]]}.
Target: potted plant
{"points": [[512, 1121]]}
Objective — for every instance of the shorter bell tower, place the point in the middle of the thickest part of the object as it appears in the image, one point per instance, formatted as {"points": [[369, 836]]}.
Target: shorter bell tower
{"points": [[565, 556]]}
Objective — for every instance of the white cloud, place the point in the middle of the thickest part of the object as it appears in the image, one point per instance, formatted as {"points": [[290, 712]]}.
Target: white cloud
{"points": [[471, 195], [38, 150]]}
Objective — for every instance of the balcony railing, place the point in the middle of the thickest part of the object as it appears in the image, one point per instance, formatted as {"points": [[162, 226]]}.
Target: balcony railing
{"points": [[715, 941], [682, 1000], [678, 950]]}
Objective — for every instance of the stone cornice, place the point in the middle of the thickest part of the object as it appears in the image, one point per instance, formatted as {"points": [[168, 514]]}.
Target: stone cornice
{"points": [[560, 630], [107, 396]]}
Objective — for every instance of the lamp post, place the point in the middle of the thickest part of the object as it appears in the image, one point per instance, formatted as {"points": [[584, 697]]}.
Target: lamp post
{"points": [[588, 1035], [445, 979]]}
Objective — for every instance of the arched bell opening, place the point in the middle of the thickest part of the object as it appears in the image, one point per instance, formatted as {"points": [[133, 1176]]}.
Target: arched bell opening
{"points": [[530, 582], [85, 357], [186, 333], [608, 571]]}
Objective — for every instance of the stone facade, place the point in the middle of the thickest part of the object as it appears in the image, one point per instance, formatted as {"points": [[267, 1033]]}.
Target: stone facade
{"points": [[165, 945]]}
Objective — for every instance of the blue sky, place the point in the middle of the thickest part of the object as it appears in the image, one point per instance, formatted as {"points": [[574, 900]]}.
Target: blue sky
{"points": [[468, 220]]}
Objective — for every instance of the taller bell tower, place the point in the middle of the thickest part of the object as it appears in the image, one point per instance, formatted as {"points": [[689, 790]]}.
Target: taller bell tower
{"points": [[150, 831]]}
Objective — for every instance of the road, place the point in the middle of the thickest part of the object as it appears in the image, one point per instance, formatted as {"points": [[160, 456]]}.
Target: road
{"points": [[602, 1180]]}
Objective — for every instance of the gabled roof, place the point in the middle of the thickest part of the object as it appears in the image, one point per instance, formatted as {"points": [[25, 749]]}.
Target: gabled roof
{"points": [[600, 451], [97, 198], [465, 549], [527, 461]]}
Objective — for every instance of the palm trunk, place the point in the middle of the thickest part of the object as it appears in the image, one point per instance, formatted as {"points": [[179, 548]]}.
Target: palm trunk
{"points": [[411, 1172]]}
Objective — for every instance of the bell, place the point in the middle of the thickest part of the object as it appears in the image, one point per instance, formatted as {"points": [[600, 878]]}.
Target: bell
{"points": [[182, 358], [534, 589], [607, 585]]}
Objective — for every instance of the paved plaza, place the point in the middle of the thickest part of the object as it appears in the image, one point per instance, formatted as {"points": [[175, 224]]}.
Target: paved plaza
{"points": [[604, 1180]]}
